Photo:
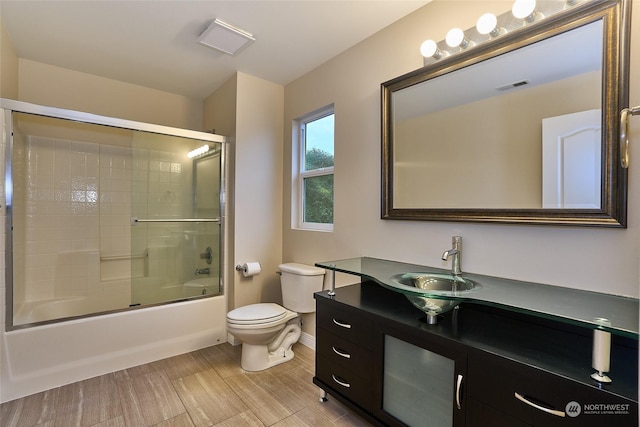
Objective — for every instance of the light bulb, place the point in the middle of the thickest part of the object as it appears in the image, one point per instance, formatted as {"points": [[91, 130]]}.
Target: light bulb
{"points": [[455, 37], [524, 9], [428, 48], [487, 24]]}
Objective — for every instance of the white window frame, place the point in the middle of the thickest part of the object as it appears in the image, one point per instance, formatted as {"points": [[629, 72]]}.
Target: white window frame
{"points": [[299, 174]]}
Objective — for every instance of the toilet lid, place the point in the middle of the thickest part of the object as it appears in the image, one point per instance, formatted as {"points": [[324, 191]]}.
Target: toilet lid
{"points": [[257, 313]]}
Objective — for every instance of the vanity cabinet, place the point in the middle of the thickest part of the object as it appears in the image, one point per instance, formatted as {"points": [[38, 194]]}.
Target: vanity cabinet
{"points": [[344, 352], [377, 355]]}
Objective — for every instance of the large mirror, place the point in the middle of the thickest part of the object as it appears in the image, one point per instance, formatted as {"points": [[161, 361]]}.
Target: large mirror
{"points": [[522, 128]]}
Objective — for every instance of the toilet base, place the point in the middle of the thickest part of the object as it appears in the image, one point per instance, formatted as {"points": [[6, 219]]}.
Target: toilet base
{"points": [[258, 357]]}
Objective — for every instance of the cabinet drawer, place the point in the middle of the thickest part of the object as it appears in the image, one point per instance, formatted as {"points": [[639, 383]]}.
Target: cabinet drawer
{"points": [[345, 381], [345, 323], [495, 381], [344, 353]]}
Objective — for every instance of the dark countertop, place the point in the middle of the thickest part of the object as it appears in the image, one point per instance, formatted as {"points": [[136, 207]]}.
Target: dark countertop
{"points": [[545, 344]]}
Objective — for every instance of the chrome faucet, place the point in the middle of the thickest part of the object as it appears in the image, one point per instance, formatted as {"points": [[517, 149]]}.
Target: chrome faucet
{"points": [[456, 252], [200, 271]]}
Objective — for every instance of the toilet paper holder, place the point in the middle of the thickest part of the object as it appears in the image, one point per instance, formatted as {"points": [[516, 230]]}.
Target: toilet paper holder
{"points": [[249, 269]]}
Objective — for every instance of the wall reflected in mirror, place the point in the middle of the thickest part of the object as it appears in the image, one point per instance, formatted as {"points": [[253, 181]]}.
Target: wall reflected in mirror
{"points": [[473, 138]]}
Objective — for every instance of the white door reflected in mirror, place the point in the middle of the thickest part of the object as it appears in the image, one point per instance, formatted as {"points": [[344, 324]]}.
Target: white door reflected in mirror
{"points": [[571, 165]]}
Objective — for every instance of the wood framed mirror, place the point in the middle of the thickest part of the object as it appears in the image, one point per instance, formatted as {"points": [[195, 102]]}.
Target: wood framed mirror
{"points": [[522, 128]]}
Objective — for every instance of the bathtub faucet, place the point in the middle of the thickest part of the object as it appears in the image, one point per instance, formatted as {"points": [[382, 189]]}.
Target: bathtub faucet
{"points": [[200, 271]]}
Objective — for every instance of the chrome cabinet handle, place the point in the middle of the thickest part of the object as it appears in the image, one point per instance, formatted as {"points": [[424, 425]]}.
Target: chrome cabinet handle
{"points": [[458, 388], [343, 325], [541, 408], [340, 353], [342, 383]]}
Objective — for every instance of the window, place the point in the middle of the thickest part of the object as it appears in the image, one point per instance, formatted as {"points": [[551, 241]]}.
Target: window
{"points": [[313, 201]]}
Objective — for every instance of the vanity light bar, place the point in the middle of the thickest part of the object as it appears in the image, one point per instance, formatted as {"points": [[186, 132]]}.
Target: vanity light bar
{"points": [[490, 26]]}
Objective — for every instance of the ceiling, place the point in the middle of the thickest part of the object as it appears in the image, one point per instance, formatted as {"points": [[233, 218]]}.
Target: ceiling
{"points": [[562, 56], [154, 43]]}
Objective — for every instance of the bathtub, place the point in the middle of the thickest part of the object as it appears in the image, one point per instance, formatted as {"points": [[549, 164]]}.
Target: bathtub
{"points": [[73, 306], [202, 286], [48, 356], [58, 308]]}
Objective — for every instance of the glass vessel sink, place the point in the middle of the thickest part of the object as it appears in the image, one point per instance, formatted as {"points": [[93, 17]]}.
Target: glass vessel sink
{"points": [[432, 285]]}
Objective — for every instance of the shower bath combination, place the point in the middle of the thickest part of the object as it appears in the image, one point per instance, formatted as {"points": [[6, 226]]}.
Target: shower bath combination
{"points": [[106, 215]]}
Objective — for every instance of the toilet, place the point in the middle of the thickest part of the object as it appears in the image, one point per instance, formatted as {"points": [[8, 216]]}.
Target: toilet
{"points": [[267, 330]]}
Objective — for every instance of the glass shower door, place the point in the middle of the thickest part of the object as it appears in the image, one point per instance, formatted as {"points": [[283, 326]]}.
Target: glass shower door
{"points": [[104, 214], [175, 224]]}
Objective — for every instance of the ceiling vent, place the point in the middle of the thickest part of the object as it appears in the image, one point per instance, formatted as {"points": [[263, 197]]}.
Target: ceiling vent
{"points": [[513, 85], [225, 38]]}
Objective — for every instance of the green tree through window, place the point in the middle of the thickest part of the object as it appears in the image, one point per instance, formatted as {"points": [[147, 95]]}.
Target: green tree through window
{"points": [[316, 170], [318, 190]]}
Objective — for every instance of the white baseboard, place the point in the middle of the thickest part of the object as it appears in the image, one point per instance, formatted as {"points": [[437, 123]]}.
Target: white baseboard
{"points": [[308, 340]]}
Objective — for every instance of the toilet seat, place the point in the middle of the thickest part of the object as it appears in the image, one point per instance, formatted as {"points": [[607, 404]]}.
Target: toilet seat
{"points": [[257, 314]]}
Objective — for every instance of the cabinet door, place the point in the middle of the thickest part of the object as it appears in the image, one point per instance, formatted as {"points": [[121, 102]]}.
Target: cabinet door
{"points": [[543, 399], [422, 379]]}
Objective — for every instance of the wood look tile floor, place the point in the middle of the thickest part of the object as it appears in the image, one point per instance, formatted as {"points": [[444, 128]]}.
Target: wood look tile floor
{"points": [[202, 388]]}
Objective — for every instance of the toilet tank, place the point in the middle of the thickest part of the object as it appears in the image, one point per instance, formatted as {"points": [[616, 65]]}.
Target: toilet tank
{"points": [[298, 283]]}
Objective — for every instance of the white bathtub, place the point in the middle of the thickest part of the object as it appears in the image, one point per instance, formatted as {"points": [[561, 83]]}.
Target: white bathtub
{"points": [[43, 357], [59, 308], [201, 286]]}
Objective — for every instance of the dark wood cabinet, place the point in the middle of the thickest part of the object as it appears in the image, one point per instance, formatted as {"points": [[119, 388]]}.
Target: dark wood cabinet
{"points": [[541, 398], [478, 366], [344, 352]]}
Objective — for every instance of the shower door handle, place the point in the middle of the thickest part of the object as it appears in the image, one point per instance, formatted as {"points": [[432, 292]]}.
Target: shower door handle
{"points": [[135, 220]]}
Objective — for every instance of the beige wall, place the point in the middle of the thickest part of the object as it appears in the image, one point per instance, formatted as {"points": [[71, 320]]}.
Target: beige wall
{"points": [[250, 110], [63, 88], [257, 186], [495, 162], [8, 67], [598, 259]]}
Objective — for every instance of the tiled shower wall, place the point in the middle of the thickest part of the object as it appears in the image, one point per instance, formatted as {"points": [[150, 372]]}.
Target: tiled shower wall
{"points": [[78, 199]]}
